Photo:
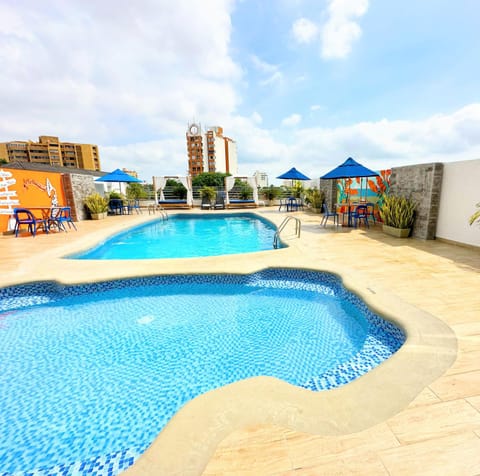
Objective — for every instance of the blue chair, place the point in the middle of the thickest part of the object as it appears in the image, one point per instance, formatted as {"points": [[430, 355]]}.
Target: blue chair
{"points": [[283, 204], [115, 206], [292, 204], [360, 214], [371, 211], [59, 216], [24, 216], [134, 205], [327, 214]]}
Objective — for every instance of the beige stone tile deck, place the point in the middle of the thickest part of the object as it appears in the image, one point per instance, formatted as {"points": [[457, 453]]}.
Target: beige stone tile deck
{"points": [[418, 413]]}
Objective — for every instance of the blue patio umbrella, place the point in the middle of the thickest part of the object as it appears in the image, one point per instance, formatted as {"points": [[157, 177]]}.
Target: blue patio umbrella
{"points": [[118, 176], [293, 174], [349, 169]]}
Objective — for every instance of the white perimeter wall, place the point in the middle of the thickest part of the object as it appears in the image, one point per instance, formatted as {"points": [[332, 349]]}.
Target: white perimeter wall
{"points": [[459, 194]]}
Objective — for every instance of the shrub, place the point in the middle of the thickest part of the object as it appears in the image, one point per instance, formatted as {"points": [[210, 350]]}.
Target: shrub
{"points": [[314, 197], [476, 216], [270, 193], [397, 212], [208, 192], [96, 203], [115, 195]]}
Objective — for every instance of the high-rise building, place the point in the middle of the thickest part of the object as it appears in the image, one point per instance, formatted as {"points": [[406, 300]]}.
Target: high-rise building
{"points": [[49, 150], [210, 151], [133, 173], [262, 178]]}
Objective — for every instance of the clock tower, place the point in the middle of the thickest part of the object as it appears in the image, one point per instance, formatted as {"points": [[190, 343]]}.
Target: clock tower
{"points": [[195, 149]]}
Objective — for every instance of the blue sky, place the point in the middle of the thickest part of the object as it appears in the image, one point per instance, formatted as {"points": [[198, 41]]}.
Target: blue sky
{"points": [[303, 83]]}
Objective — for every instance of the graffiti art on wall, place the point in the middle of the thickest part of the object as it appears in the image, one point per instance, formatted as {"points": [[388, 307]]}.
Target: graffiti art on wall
{"points": [[7, 197], [48, 188]]}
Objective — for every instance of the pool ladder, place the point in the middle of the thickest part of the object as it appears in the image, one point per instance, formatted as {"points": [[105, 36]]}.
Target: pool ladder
{"points": [[298, 228], [163, 214], [152, 208]]}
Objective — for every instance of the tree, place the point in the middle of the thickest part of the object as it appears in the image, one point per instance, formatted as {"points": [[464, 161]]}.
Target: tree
{"points": [[135, 191], [209, 179], [177, 189]]}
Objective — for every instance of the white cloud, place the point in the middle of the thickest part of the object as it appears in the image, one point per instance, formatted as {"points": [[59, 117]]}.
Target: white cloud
{"points": [[276, 77], [304, 30], [292, 120], [114, 72], [314, 151], [263, 66], [341, 30], [256, 118], [315, 107]]}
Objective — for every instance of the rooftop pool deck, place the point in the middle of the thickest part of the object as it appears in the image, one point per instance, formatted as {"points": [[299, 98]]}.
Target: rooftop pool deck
{"points": [[417, 413]]}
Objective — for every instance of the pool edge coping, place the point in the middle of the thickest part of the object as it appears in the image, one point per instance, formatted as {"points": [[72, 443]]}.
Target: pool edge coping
{"points": [[429, 350]]}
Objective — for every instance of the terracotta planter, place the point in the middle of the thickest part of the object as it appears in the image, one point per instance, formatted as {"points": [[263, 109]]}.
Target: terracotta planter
{"points": [[98, 216], [397, 232]]}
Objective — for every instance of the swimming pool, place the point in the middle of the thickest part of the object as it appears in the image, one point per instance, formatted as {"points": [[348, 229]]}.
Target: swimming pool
{"points": [[94, 372], [187, 236]]}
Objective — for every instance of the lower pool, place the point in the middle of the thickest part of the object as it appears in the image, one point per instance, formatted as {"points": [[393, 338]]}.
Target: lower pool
{"points": [[92, 373], [187, 236]]}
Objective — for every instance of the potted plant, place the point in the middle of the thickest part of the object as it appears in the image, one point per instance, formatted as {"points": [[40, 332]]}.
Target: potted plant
{"points": [[97, 206], [476, 216], [208, 195], [397, 214], [246, 191], [315, 198], [270, 194]]}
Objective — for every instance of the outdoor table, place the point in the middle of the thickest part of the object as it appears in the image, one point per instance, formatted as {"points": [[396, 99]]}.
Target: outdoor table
{"points": [[350, 206], [44, 211]]}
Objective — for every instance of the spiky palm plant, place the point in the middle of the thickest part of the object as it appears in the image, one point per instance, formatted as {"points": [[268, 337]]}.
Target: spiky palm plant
{"points": [[397, 212], [476, 215]]}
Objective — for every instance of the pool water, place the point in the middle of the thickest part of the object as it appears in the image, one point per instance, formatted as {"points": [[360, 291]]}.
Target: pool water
{"points": [[187, 236], [92, 373]]}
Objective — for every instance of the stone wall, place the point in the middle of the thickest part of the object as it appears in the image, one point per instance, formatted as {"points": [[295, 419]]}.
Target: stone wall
{"points": [[77, 187], [329, 188], [423, 184]]}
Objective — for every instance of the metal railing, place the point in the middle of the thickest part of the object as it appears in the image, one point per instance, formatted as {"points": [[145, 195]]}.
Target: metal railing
{"points": [[298, 229]]}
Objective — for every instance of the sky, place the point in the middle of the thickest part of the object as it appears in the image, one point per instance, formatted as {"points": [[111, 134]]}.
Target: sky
{"points": [[303, 83]]}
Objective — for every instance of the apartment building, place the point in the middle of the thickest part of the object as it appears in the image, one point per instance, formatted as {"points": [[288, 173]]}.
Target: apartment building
{"points": [[210, 151], [51, 151], [262, 178]]}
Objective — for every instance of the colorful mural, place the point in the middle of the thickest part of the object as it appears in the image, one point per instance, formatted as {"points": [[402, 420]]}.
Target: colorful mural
{"points": [[369, 189], [27, 188]]}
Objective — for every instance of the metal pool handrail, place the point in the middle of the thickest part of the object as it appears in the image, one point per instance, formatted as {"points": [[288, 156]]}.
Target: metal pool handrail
{"points": [[298, 228]]}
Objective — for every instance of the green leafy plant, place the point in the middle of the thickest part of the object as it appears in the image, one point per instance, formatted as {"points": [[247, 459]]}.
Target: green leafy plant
{"points": [[115, 195], [297, 189], [314, 197], [209, 179], [176, 189], [209, 193], [245, 191], [136, 191], [397, 211], [476, 216], [96, 203], [270, 193]]}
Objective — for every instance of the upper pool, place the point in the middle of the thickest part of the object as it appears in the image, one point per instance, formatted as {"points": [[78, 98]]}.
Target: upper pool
{"points": [[188, 236]]}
